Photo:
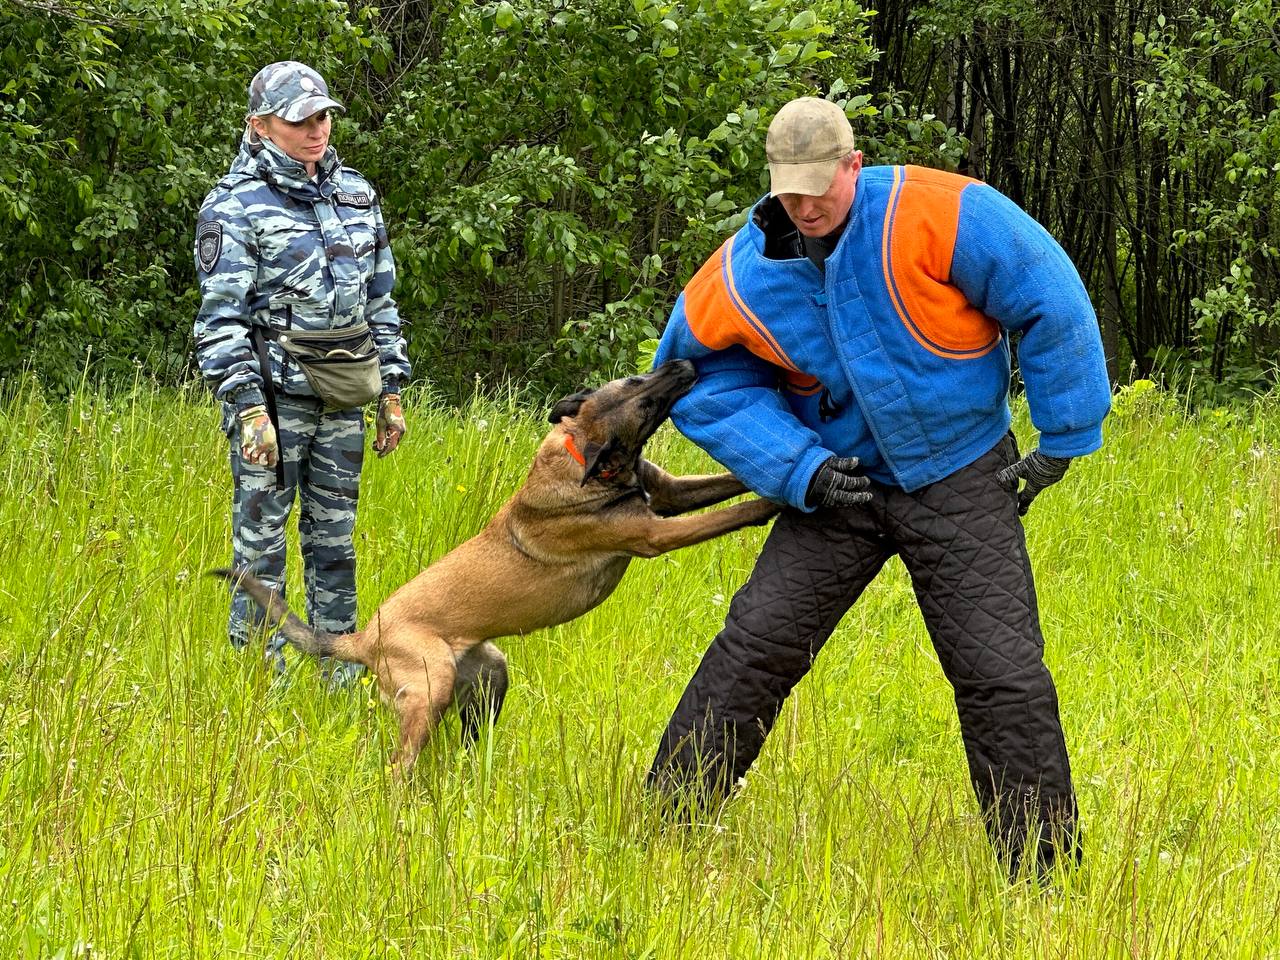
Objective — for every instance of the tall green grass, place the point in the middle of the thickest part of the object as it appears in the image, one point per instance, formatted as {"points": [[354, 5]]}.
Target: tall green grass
{"points": [[163, 796]]}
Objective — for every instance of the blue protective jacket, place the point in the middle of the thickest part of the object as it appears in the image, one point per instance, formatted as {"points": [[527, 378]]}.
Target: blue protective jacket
{"points": [[899, 353]]}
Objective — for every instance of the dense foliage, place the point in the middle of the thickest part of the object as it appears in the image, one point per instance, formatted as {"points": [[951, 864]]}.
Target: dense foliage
{"points": [[553, 170], [1147, 137]]}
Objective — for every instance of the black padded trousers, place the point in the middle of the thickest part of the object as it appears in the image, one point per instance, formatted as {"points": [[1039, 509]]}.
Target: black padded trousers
{"points": [[962, 542]]}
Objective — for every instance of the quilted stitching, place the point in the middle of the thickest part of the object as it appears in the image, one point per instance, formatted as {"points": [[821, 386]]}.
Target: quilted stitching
{"points": [[963, 545]]}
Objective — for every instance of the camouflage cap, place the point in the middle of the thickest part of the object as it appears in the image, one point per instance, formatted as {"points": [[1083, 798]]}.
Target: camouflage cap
{"points": [[289, 90]]}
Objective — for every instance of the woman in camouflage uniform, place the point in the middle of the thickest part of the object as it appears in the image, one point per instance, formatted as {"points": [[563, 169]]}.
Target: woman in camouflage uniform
{"points": [[291, 240]]}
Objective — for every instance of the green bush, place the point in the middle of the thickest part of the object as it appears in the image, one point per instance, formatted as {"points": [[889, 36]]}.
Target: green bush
{"points": [[551, 171], [561, 168], [116, 117]]}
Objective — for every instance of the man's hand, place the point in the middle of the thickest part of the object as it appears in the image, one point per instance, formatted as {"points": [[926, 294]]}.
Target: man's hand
{"points": [[258, 443], [1039, 471], [838, 484], [390, 423]]}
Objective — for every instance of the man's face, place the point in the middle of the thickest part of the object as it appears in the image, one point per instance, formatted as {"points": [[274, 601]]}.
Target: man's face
{"points": [[304, 140], [818, 216]]}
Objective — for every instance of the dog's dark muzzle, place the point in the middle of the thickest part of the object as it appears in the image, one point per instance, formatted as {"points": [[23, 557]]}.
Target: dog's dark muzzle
{"points": [[678, 376], [660, 390]]}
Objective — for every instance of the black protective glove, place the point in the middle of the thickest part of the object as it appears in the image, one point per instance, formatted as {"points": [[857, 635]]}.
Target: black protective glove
{"points": [[1039, 471], [838, 484]]}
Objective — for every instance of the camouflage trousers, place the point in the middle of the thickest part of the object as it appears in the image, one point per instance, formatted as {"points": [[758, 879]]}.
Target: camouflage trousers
{"points": [[323, 453]]}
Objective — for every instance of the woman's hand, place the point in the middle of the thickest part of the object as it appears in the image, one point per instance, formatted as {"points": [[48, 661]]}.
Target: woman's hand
{"points": [[258, 443], [390, 424]]}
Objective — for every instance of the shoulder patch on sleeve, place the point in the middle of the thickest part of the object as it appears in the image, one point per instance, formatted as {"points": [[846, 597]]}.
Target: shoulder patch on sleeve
{"points": [[208, 244]]}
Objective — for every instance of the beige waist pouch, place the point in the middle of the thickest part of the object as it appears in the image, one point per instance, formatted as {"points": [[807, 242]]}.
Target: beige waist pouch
{"points": [[342, 366]]}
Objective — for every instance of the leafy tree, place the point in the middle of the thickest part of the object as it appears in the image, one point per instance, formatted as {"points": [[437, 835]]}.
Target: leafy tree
{"points": [[116, 116], [553, 170], [559, 168], [1144, 136], [1214, 100]]}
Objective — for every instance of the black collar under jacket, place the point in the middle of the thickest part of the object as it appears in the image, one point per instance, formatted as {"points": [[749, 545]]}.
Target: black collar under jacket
{"points": [[782, 241], [781, 238]]}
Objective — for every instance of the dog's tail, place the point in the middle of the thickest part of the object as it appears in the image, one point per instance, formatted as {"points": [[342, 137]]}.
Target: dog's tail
{"points": [[318, 643]]}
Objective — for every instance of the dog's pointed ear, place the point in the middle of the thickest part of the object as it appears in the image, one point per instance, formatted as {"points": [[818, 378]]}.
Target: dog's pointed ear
{"points": [[597, 459], [568, 406]]}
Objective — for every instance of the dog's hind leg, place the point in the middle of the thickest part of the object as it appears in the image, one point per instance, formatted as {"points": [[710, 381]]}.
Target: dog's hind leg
{"points": [[420, 704], [480, 688]]}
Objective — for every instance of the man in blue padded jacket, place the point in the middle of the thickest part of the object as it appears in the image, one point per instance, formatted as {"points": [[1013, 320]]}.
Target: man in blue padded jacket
{"points": [[852, 346]]}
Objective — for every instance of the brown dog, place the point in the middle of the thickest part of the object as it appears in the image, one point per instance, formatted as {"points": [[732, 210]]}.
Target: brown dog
{"points": [[556, 549]]}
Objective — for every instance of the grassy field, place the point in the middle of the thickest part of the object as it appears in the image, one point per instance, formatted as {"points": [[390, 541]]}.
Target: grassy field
{"points": [[163, 796]]}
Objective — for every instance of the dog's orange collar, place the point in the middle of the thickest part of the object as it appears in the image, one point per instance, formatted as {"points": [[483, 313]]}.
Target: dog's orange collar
{"points": [[573, 449]]}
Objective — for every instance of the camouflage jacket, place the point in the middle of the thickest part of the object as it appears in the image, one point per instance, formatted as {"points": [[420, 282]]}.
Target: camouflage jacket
{"points": [[273, 247]]}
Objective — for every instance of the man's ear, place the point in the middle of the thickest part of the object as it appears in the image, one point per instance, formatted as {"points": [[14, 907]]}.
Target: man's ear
{"points": [[568, 406]]}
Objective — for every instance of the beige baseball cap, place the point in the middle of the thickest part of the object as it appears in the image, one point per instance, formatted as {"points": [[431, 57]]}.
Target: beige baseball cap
{"points": [[805, 142]]}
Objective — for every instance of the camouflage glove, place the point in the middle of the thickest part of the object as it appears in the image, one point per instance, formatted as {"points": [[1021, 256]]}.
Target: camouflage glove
{"points": [[837, 484], [1038, 470], [258, 443], [390, 423]]}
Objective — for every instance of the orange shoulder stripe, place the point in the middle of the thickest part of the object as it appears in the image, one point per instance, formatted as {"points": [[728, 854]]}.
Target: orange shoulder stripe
{"points": [[719, 318], [708, 310], [916, 249], [752, 320]]}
